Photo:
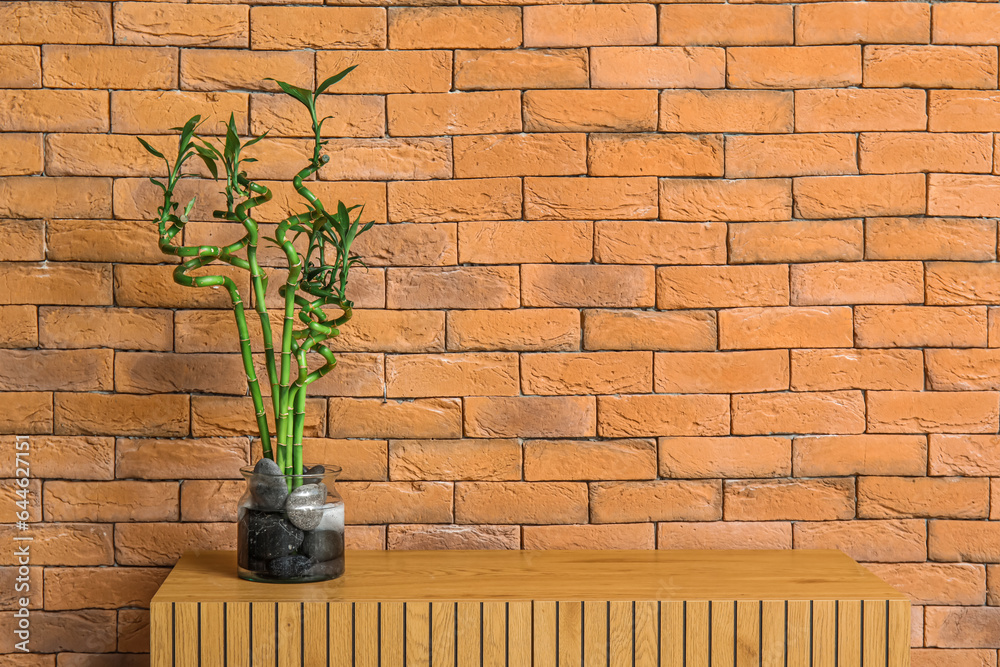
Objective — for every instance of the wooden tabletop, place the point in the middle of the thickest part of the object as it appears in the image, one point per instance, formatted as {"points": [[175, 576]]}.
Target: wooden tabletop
{"points": [[386, 576]]}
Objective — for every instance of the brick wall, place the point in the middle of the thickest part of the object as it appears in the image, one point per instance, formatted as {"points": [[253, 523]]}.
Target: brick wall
{"points": [[648, 276]]}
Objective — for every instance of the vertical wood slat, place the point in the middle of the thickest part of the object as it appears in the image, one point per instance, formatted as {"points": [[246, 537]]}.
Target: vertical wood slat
{"points": [[723, 633], [213, 633], [849, 633], [186, 633], [392, 642], [161, 634], [899, 633], [418, 632], [340, 634], [519, 631], [314, 633], [672, 634], [263, 627], [570, 632], [366, 634], [443, 634], [543, 630], [494, 634], [824, 630], [469, 633], [748, 624], [772, 635], [647, 632], [798, 627], [595, 634], [874, 632], [289, 646], [237, 633], [696, 634]]}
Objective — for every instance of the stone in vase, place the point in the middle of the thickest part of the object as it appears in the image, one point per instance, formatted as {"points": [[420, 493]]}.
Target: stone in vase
{"points": [[269, 535], [289, 567], [268, 486], [322, 545], [314, 475], [304, 505]]}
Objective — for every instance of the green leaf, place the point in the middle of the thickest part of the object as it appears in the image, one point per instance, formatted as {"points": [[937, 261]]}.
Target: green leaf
{"points": [[187, 209], [158, 184], [209, 161], [301, 94], [255, 139], [145, 144], [232, 140], [333, 79], [366, 227], [249, 159]]}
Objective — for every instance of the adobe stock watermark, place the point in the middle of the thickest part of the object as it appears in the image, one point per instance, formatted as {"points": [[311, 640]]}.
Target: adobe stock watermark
{"points": [[22, 542]]}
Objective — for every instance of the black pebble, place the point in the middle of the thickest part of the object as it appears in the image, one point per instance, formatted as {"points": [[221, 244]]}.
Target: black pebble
{"points": [[288, 566], [268, 535], [321, 545], [318, 471]]}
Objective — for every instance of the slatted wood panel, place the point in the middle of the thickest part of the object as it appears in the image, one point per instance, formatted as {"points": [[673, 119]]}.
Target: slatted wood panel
{"points": [[839, 633]]}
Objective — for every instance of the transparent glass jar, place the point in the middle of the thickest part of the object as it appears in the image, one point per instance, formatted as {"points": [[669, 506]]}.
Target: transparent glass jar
{"points": [[291, 527]]}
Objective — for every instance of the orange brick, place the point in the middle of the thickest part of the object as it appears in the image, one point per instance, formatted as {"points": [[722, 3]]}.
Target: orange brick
{"points": [[961, 627], [152, 372], [690, 199], [65, 544], [586, 373], [897, 152], [930, 238], [531, 417], [454, 27], [234, 416], [444, 201], [724, 535], [932, 412], [721, 286], [86, 631], [520, 69], [549, 460], [770, 328], [22, 67], [21, 154], [54, 110], [103, 241], [930, 66], [31, 503], [19, 326], [725, 457], [799, 412], [283, 28], [365, 537], [66, 284], [156, 112], [795, 241], [484, 112], [725, 25], [720, 372], [118, 67], [476, 374], [26, 412], [931, 657], [853, 196], [657, 155], [827, 370], [662, 500], [965, 23], [102, 587], [725, 111], [838, 455], [589, 110], [961, 283], [31, 197], [960, 370], [645, 330], [964, 455], [520, 155], [52, 370], [962, 195], [365, 460], [935, 583], [857, 282], [953, 540], [521, 502], [210, 458], [784, 500], [168, 24], [863, 23], [453, 287], [112, 501], [22, 240], [164, 543], [454, 537], [482, 460], [140, 286], [919, 326], [388, 71], [657, 66], [62, 23], [654, 242], [349, 116], [582, 286], [375, 418], [516, 330], [589, 25], [964, 111], [794, 66], [923, 497], [106, 327], [663, 415], [9, 576], [51, 456], [414, 245], [219, 69], [581, 198], [388, 159], [516, 242], [896, 541], [120, 414], [103, 155], [764, 156], [859, 110], [623, 536]]}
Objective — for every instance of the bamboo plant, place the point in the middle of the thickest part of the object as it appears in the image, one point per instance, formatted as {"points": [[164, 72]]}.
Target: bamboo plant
{"points": [[316, 279]]}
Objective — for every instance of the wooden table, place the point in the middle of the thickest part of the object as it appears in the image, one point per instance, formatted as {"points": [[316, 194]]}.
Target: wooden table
{"points": [[541, 608]]}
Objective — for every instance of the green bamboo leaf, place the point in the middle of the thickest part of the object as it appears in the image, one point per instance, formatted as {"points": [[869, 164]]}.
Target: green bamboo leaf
{"points": [[145, 144], [333, 79], [232, 140], [209, 161], [158, 184], [301, 94], [255, 139], [187, 209]]}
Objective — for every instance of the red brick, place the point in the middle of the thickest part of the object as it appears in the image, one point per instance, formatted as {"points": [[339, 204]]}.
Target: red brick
{"points": [[644, 330], [965, 23], [608, 286], [770, 328], [831, 412], [19, 325], [474, 374], [169, 24], [589, 110], [480, 460], [453, 287], [962, 627], [932, 412], [550, 460], [935, 583], [454, 27], [794, 67], [398, 502], [926, 497], [725, 25], [721, 286], [930, 66], [454, 537], [631, 502], [656, 66], [896, 541], [725, 111], [930, 238], [725, 457], [965, 455], [825, 370], [26, 412], [163, 543], [920, 326], [724, 535], [656, 415], [795, 241], [516, 242], [22, 67], [53, 457], [485, 112], [375, 418], [63, 23], [860, 110], [725, 200], [520, 155], [208, 458], [959, 370], [520, 502], [522, 69], [283, 28], [530, 417], [623, 536], [656, 155], [444, 201], [583, 198], [964, 111], [784, 500], [864, 23], [589, 25], [121, 414], [515, 330], [853, 196], [586, 373], [763, 156], [720, 372], [101, 587]]}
